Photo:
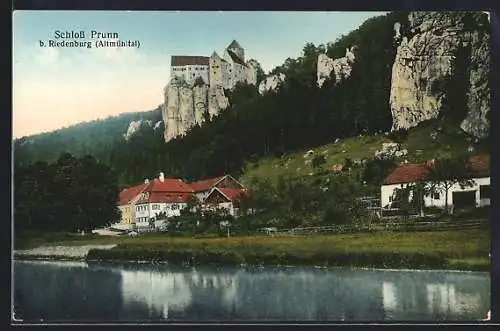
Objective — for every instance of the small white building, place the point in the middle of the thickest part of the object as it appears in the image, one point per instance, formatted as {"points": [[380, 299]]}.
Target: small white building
{"points": [[475, 195]]}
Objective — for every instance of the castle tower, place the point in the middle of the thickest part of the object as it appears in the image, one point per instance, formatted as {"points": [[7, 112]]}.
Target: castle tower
{"points": [[235, 47]]}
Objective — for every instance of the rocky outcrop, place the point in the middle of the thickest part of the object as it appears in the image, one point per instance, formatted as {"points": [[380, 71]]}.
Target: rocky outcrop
{"points": [[186, 106], [133, 127], [271, 83], [252, 70], [340, 67], [425, 57]]}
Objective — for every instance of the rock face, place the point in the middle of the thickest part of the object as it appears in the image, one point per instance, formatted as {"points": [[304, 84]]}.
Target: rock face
{"points": [[186, 106], [271, 83], [425, 57], [340, 67], [133, 127]]}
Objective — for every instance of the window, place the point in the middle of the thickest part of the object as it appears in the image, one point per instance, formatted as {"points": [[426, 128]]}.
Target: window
{"points": [[435, 196], [484, 192]]}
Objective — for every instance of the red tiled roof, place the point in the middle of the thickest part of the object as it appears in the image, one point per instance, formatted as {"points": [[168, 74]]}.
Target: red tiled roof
{"points": [[480, 165], [231, 193], [183, 60], [127, 194], [168, 190], [406, 173], [411, 172], [168, 185], [205, 185]]}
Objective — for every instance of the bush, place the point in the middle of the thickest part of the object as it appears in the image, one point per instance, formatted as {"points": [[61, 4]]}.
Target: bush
{"points": [[335, 215]]}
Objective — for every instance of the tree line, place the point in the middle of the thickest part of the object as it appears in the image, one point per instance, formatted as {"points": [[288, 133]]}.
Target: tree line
{"points": [[69, 195]]}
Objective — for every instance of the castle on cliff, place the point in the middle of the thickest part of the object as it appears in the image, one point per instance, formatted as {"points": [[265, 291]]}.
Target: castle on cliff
{"points": [[215, 71]]}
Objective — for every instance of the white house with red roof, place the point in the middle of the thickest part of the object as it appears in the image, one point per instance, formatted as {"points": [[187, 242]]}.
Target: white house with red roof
{"points": [[225, 198], [204, 187], [162, 195], [477, 195]]}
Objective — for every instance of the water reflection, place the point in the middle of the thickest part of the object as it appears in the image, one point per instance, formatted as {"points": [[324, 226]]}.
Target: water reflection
{"points": [[133, 292]]}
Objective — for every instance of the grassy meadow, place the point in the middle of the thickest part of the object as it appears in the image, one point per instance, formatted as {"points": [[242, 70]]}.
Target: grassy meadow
{"points": [[461, 249]]}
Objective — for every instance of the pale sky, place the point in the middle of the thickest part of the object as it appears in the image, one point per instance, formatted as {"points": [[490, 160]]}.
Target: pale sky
{"points": [[58, 87]]}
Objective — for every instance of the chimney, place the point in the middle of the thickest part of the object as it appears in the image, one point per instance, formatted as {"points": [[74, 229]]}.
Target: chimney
{"points": [[146, 181], [161, 177]]}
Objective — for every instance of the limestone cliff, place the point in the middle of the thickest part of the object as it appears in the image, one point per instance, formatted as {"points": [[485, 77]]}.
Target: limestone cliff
{"points": [[134, 126], [271, 83], [424, 57], [340, 67], [186, 106]]}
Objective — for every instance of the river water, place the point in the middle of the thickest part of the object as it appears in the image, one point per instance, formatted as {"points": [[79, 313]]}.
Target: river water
{"points": [[81, 292]]}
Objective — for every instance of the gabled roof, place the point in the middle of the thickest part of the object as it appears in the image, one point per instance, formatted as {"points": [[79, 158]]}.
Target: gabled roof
{"points": [[406, 173], [232, 194], [206, 184], [184, 60], [234, 44], [235, 58], [127, 194], [168, 185], [168, 190], [411, 172]]}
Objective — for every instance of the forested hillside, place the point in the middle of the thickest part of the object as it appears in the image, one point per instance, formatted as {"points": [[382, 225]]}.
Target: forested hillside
{"points": [[96, 138], [296, 116]]}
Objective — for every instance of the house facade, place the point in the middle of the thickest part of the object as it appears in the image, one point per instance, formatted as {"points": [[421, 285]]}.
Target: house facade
{"points": [[127, 199], [204, 187], [162, 196], [475, 195]]}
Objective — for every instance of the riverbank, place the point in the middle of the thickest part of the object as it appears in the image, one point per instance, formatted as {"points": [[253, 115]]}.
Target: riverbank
{"points": [[60, 252], [456, 250]]}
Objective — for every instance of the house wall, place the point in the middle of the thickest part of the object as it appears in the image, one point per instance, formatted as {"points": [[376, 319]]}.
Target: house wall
{"points": [[387, 191], [215, 198], [441, 202], [127, 216], [142, 214]]}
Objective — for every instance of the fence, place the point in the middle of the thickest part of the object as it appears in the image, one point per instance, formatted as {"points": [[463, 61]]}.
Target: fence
{"points": [[387, 227]]}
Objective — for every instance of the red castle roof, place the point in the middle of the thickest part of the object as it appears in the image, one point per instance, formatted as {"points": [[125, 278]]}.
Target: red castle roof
{"points": [[184, 60]]}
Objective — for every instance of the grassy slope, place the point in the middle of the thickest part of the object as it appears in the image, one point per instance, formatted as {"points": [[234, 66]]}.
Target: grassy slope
{"points": [[451, 142]]}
